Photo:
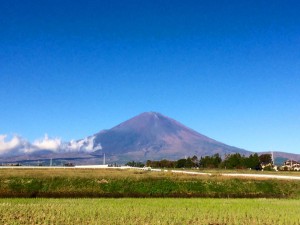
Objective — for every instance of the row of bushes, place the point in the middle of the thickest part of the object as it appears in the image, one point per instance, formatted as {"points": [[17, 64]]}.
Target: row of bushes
{"points": [[233, 161]]}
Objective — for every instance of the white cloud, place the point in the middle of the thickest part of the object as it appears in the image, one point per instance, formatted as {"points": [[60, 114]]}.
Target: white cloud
{"points": [[74, 145], [13, 144], [87, 144], [54, 144], [17, 145]]}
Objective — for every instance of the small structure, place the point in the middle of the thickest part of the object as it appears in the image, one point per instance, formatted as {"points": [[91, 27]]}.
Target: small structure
{"points": [[69, 164], [291, 165]]}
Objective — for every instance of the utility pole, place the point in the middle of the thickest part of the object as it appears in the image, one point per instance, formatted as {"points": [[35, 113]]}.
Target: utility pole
{"points": [[272, 157]]}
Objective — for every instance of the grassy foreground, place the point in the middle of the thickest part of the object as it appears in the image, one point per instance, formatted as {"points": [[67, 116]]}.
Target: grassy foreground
{"points": [[149, 211], [132, 183]]}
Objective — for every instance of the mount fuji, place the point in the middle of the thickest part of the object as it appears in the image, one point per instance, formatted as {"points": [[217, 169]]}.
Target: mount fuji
{"points": [[149, 135]]}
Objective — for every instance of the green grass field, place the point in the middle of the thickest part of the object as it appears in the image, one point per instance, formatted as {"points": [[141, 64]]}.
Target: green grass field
{"points": [[132, 183], [149, 211], [279, 202]]}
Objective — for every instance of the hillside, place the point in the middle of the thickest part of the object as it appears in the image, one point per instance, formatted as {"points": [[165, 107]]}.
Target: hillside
{"points": [[152, 135]]}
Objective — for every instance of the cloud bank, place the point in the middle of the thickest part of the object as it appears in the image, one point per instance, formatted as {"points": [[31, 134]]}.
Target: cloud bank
{"points": [[46, 143], [13, 145], [16, 145]]}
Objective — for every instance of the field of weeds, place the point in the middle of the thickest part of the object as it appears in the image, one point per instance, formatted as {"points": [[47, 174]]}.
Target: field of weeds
{"points": [[149, 211]]}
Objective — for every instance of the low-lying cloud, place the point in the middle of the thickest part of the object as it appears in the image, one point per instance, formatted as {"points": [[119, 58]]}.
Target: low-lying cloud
{"points": [[14, 145], [48, 143]]}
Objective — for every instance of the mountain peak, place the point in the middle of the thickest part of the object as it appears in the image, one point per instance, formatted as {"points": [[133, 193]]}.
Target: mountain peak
{"points": [[154, 113], [143, 120], [150, 114]]}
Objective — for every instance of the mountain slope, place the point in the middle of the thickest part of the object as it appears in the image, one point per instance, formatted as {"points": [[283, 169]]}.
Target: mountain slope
{"points": [[152, 135]]}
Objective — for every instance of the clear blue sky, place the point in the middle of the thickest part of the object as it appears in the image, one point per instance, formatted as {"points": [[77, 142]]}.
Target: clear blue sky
{"points": [[228, 69]]}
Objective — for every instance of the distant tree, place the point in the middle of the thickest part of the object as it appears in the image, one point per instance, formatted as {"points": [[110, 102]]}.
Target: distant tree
{"points": [[252, 161], [135, 164], [149, 163], [265, 159], [210, 161], [217, 160], [189, 163], [234, 161], [194, 158], [161, 164], [195, 161], [181, 163]]}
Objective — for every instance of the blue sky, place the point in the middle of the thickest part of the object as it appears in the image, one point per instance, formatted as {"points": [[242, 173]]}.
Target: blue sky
{"points": [[228, 69]]}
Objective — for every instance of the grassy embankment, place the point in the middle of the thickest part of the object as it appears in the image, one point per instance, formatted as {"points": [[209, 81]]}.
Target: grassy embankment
{"points": [[149, 211], [133, 183]]}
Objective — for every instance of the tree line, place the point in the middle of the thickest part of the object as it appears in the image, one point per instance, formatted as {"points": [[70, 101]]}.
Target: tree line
{"points": [[232, 161]]}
